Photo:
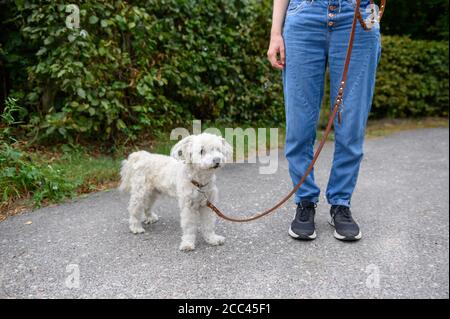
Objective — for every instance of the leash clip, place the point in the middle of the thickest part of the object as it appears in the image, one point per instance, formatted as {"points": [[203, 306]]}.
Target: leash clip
{"points": [[339, 99], [198, 185], [199, 189]]}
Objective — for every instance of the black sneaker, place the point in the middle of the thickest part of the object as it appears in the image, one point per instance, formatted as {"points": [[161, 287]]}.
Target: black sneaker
{"points": [[302, 226], [345, 227]]}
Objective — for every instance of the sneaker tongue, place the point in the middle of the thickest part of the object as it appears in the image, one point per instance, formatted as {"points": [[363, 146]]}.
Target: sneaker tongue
{"points": [[344, 214], [307, 204], [305, 210]]}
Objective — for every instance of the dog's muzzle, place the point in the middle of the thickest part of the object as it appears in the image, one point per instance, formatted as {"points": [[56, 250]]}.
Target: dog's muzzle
{"points": [[216, 162]]}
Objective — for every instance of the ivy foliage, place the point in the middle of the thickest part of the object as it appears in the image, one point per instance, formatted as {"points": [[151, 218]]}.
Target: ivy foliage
{"points": [[135, 65], [146, 66]]}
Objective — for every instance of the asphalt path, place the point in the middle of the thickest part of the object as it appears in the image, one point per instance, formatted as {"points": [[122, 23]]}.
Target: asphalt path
{"points": [[83, 249]]}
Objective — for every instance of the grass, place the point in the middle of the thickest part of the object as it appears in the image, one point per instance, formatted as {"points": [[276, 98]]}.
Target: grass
{"points": [[34, 177], [41, 177], [382, 128], [96, 172]]}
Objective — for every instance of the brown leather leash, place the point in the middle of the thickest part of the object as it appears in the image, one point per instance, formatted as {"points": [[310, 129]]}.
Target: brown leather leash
{"points": [[336, 111]]}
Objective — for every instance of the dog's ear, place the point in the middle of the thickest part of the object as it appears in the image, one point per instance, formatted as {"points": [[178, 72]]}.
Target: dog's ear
{"points": [[227, 150], [182, 151]]}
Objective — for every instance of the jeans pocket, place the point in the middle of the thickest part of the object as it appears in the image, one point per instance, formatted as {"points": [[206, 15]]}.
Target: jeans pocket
{"points": [[295, 6]]}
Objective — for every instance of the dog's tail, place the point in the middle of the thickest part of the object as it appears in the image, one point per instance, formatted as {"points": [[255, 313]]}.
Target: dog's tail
{"points": [[125, 176], [126, 172]]}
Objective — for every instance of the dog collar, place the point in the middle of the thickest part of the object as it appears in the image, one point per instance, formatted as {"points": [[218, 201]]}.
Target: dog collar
{"points": [[198, 185]]}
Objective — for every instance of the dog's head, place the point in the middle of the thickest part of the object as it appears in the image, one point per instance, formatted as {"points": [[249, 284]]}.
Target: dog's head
{"points": [[203, 151]]}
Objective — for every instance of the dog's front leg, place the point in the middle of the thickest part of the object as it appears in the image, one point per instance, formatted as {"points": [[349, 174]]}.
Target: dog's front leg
{"points": [[208, 222], [189, 225]]}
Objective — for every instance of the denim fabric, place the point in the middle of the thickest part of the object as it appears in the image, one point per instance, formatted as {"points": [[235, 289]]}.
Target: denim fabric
{"points": [[316, 34]]}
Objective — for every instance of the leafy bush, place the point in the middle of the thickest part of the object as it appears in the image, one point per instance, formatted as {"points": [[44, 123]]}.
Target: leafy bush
{"points": [[136, 66], [12, 116], [146, 65], [19, 177], [412, 79], [11, 107]]}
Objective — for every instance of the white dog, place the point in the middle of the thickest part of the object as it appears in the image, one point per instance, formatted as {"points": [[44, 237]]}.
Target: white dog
{"points": [[188, 175]]}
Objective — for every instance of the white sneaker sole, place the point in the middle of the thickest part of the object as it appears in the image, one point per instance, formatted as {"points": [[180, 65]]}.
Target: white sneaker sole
{"points": [[340, 237], [295, 236]]}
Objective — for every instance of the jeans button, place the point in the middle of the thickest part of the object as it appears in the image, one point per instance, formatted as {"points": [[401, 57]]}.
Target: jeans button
{"points": [[332, 8], [331, 15], [331, 23]]}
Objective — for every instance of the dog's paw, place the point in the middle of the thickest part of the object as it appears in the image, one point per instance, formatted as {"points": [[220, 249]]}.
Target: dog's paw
{"points": [[215, 240], [153, 218], [137, 229], [187, 246]]}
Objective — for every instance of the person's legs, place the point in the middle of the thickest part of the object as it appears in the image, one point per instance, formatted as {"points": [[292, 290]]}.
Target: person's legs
{"points": [[305, 39], [349, 134]]}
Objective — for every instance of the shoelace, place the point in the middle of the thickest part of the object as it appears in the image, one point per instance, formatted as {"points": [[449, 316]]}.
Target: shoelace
{"points": [[305, 211], [344, 213]]}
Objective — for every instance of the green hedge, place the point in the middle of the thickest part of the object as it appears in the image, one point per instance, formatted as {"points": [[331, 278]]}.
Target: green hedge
{"points": [[152, 65], [412, 79], [146, 65]]}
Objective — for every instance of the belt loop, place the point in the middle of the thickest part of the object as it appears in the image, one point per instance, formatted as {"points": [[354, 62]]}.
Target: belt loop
{"points": [[340, 6]]}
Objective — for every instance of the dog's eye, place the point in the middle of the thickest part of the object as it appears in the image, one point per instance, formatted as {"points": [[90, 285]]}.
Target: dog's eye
{"points": [[202, 151]]}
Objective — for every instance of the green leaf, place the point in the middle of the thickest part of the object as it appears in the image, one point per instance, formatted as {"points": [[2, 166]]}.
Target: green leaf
{"points": [[71, 37], [81, 93], [91, 111], [120, 124], [41, 51], [61, 73], [49, 40], [62, 131], [93, 19]]}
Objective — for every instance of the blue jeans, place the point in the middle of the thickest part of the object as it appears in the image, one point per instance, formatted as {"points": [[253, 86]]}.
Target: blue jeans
{"points": [[316, 34]]}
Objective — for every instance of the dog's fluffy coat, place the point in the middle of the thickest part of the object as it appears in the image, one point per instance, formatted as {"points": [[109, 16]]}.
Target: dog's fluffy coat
{"points": [[195, 158]]}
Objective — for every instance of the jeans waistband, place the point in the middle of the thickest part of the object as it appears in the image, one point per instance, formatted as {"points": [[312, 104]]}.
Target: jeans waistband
{"points": [[363, 2]]}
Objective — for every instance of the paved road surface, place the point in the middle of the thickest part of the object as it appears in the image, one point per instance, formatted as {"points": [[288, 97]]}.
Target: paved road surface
{"points": [[402, 203]]}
